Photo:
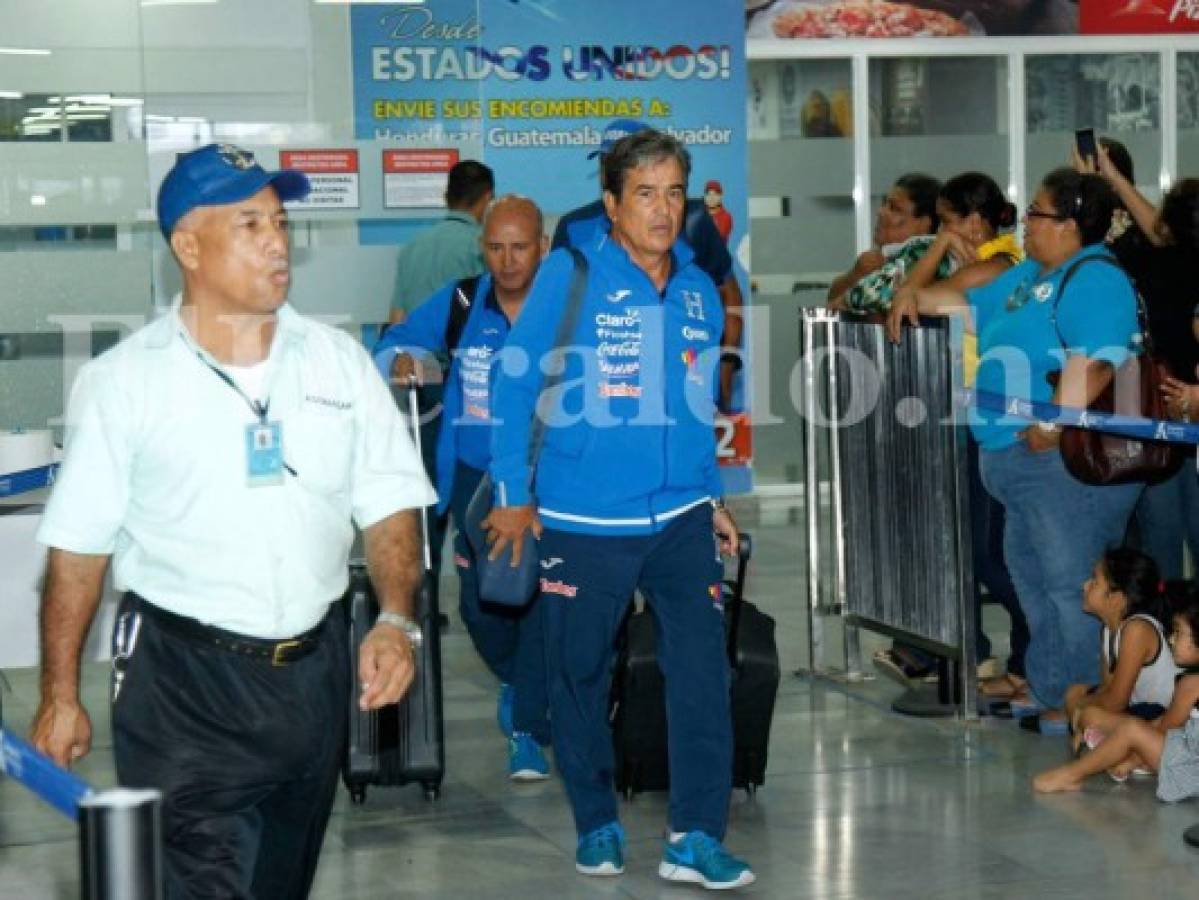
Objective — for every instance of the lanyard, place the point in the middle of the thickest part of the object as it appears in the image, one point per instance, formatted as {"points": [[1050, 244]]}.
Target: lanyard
{"points": [[259, 408]]}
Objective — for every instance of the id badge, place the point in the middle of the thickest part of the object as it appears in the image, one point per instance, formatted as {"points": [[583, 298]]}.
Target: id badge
{"points": [[264, 454]]}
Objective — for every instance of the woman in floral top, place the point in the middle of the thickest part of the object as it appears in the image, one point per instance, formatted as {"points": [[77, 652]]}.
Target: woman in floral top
{"points": [[903, 231]]}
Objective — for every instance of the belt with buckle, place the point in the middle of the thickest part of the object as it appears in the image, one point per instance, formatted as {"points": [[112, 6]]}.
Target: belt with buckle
{"points": [[277, 652]]}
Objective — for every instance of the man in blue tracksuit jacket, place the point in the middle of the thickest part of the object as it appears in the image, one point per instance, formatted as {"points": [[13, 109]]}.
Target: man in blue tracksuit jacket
{"points": [[579, 228], [509, 641], [626, 495]]}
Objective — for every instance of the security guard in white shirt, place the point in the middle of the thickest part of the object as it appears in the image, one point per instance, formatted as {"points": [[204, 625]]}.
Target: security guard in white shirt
{"points": [[218, 457]]}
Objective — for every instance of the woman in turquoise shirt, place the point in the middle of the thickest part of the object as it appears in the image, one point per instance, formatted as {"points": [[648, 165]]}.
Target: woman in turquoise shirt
{"points": [[1028, 329]]}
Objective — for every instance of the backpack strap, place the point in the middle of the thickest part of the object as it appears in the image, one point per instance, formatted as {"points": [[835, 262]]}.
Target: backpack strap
{"points": [[460, 306]]}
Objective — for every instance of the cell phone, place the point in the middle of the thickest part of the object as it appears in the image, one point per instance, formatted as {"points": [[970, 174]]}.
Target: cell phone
{"points": [[1084, 140]]}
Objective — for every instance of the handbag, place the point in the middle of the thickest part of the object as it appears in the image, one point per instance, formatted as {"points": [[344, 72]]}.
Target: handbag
{"points": [[498, 580], [1098, 458]]}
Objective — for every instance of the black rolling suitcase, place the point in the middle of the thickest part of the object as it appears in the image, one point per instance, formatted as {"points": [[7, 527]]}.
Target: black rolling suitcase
{"points": [[638, 711], [405, 742]]}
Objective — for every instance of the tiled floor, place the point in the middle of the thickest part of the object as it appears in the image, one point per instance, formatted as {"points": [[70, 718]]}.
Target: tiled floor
{"points": [[858, 803]]}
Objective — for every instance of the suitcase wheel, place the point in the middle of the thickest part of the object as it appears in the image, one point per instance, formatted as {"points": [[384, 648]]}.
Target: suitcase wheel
{"points": [[358, 794], [432, 790], [751, 790]]}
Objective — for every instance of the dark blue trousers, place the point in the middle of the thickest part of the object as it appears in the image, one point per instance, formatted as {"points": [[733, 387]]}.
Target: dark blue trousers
{"points": [[585, 589], [509, 640]]}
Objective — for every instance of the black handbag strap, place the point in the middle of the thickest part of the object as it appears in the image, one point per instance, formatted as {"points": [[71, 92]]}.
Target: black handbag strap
{"points": [[567, 326], [1142, 313]]}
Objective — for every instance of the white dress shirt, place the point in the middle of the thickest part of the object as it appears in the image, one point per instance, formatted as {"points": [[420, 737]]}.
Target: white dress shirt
{"points": [[155, 474]]}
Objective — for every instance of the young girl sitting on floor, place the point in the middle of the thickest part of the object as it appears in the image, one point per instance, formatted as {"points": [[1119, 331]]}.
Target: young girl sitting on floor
{"points": [[1137, 669], [1169, 745]]}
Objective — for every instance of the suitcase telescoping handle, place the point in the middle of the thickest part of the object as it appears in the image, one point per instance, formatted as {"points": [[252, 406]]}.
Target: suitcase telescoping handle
{"points": [[745, 549], [414, 420]]}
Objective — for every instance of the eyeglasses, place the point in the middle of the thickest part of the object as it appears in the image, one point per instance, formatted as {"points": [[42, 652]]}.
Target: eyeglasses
{"points": [[1033, 213]]}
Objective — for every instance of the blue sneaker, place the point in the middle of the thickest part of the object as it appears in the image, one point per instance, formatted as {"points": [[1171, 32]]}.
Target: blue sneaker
{"points": [[698, 858], [601, 852], [503, 710], [526, 760]]}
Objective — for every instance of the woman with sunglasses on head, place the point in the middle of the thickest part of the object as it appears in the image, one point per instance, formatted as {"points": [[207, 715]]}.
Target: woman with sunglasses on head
{"points": [[1029, 329]]}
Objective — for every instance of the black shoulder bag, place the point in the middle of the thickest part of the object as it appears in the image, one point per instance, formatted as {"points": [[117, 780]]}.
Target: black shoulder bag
{"points": [[499, 581]]}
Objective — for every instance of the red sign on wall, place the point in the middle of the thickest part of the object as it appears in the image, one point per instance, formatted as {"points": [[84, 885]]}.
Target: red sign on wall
{"points": [[403, 162], [734, 439], [416, 179], [1138, 16], [312, 162], [333, 175]]}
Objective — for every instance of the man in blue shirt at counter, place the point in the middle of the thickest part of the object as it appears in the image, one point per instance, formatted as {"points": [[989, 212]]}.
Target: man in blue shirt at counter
{"points": [[450, 249], [482, 311], [628, 489]]}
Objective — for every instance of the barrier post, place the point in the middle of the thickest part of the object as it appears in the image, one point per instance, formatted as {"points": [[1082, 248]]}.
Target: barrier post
{"points": [[120, 845], [120, 830]]}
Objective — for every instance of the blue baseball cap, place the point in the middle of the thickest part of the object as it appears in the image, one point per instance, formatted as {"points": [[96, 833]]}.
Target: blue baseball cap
{"points": [[218, 174], [617, 129]]}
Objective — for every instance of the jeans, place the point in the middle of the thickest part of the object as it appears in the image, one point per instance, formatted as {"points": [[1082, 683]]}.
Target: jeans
{"points": [[990, 568], [1056, 529], [1168, 517]]}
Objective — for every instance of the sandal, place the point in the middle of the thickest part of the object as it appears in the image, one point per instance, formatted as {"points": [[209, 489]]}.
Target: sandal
{"points": [[899, 667], [1002, 687]]}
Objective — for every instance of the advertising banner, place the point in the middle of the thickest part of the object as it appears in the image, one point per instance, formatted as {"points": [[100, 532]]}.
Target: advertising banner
{"points": [[968, 18], [529, 85], [1139, 16], [927, 18]]}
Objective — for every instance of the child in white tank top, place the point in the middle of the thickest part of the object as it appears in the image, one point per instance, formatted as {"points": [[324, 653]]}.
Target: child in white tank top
{"points": [[1169, 745], [1138, 672]]}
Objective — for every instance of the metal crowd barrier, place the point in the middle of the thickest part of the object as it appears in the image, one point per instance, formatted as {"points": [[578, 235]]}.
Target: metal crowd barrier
{"points": [[120, 830], [886, 488]]}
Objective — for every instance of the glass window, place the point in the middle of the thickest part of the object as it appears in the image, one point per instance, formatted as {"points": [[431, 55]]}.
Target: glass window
{"points": [[939, 115], [1118, 95], [801, 221], [801, 167], [30, 117], [103, 117], [58, 237], [1188, 113]]}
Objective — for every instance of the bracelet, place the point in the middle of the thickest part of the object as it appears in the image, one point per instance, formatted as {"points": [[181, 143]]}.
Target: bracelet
{"points": [[1048, 427], [733, 359]]}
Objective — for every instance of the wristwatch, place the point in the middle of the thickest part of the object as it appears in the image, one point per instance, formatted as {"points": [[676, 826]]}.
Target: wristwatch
{"points": [[718, 503], [411, 629]]}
